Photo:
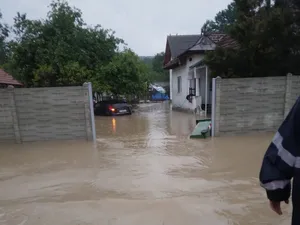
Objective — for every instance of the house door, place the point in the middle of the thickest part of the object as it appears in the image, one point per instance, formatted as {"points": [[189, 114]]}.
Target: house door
{"points": [[192, 86], [202, 88]]}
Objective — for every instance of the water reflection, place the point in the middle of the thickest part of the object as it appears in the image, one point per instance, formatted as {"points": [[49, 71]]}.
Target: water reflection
{"points": [[114, 128]]}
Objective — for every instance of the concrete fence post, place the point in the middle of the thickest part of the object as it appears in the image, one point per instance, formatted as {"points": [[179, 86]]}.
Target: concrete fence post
{"points": [[14, 115], [288, 94], [218, 83], [87, 112], [213, 107], [171, 84], [90, 89]]}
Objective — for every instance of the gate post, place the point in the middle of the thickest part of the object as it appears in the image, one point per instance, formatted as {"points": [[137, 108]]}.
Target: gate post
{"points": [[89, 109], [213, 107], [215, 112], [14, 112]]}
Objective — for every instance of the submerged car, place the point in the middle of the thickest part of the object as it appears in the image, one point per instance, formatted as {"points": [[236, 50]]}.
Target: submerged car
{"points": [[112, 108]]}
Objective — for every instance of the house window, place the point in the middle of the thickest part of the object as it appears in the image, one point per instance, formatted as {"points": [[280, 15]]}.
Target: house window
{"points": [[179, 84]]}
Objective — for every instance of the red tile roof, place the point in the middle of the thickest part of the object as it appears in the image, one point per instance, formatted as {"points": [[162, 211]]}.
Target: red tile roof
{"points": [[216, 37], [228, 42], [223, 40], [5, 78]]}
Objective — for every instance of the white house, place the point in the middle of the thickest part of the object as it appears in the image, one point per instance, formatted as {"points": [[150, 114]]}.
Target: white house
{"points": [[184, 59]]}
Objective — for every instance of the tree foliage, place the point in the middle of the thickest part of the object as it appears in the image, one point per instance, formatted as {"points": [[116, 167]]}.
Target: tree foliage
{"points": [[268, 36], [147, 60], [155, 65], [62, 50], [59, 50], [125, 73], [4, 33], [222, 20]]}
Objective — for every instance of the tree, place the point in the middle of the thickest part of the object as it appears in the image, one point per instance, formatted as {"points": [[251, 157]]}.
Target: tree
{"points": [[4, 33], [125, 74], [147, 60], [155, 66], [159, 74], [222, 21], [267, 39], [60, 50]]}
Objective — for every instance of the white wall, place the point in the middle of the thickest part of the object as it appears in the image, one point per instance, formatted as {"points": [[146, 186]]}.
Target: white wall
{"points": [[179, 99]]}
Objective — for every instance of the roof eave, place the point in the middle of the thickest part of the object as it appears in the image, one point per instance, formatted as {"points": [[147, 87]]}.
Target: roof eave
{"points": [[188, 52], [197, 64], [17, 85], [195, 51], [170, 66]]}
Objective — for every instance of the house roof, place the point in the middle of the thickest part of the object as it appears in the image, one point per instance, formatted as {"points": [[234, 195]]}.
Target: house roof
{"points": [[216, 37], [5, 78], [208, 42], [220, 40], [180, 43], [172, 64], [228, 42]]}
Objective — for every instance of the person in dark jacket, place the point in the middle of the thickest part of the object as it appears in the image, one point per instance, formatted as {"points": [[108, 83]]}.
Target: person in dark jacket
{"points": [[281, 163]]}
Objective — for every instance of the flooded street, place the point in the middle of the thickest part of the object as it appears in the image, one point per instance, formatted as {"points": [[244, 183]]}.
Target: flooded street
{"points": [[144, 171]]}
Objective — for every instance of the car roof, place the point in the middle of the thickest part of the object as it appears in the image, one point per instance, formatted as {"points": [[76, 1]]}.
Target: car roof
{"points": [[113, 101]]}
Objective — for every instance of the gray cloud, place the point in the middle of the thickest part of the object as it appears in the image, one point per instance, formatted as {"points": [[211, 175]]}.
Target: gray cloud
{"points": [[143, 25]]}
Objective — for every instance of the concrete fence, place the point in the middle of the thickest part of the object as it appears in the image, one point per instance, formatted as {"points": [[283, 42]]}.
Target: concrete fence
{"points": [[247, 105], [38, 114]]}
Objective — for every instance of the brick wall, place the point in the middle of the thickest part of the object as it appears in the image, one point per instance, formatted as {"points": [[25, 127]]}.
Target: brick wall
{"points": [[245, 105], [37, 114]]}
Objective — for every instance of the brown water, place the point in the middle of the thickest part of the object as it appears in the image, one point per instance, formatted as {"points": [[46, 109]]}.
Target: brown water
{"points": [[144, 171]]}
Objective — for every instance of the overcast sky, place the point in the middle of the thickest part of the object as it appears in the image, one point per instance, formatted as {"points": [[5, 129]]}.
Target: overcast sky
{"points": [[144, 25]]}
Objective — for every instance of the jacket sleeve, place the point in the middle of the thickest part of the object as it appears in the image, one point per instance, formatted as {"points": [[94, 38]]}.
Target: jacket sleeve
{"points": [[281, 158]]}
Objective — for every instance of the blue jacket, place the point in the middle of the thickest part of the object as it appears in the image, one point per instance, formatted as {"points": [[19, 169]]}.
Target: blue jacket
{"points": [[281, 163]]}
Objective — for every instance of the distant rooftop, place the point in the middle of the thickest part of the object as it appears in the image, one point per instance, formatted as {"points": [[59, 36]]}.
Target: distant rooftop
{"points": [[5, 78]]}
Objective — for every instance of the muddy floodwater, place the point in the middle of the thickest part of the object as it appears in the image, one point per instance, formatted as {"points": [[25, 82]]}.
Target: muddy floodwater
{"points": [[144, 171]]}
